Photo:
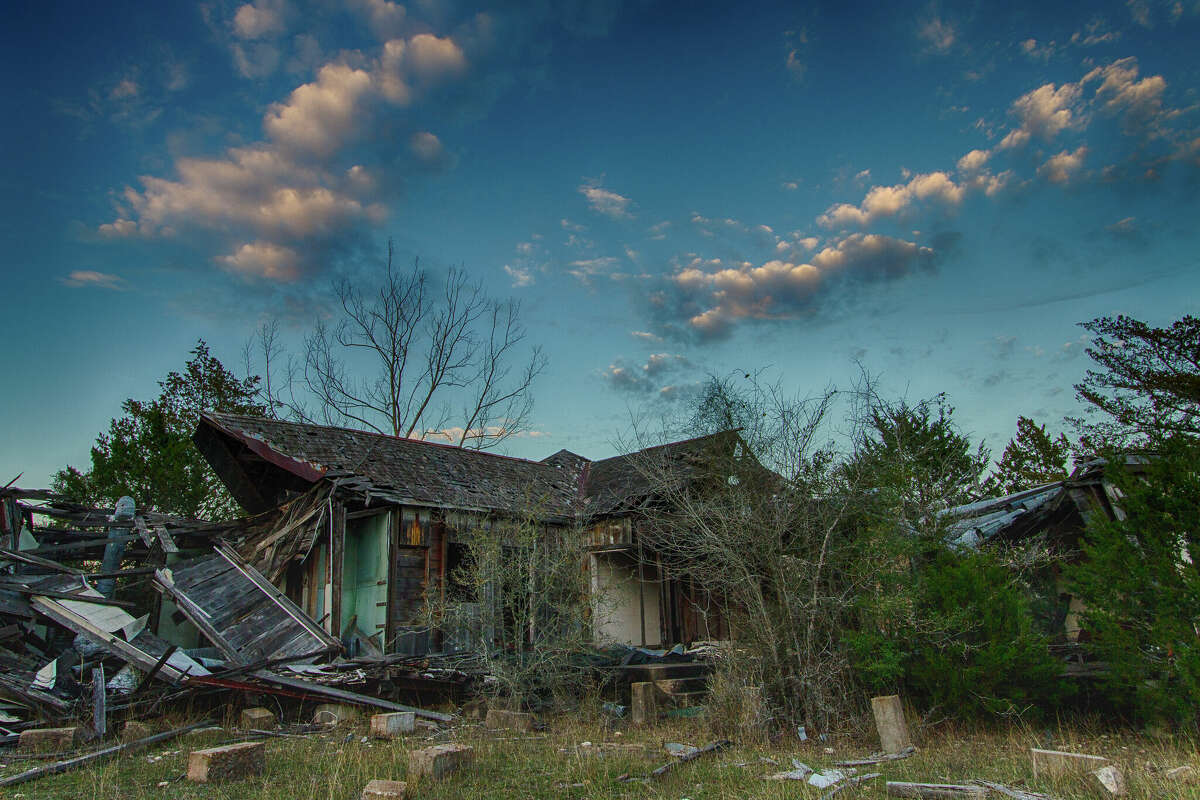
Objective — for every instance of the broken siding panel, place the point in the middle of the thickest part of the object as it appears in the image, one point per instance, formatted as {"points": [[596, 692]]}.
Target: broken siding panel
{"points": [[240, 611]]}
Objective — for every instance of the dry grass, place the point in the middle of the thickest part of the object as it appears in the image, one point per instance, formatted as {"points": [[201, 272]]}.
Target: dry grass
{"points": [[554, 764]]}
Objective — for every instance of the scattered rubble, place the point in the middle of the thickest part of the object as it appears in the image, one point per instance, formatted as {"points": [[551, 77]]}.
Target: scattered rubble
{"points": [[227, 763]]}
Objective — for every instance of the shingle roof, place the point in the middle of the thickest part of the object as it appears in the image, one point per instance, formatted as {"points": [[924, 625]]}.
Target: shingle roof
{"points": [[415, 472]]}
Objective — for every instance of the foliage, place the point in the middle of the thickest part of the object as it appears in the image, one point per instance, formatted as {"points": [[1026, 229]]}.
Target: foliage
{"points": [[148, 452], [990, 657], [915, 460], [1146, 384], [1140, 582], [522, 599], [1030, 459], [417, 357]]}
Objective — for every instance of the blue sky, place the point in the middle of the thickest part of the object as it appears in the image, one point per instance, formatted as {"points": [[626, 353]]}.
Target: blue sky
{"points": [[939, 192]]}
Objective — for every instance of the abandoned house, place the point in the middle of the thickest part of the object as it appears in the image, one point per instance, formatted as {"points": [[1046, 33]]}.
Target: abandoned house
{"points": [[370, 524], [1053, 516]]}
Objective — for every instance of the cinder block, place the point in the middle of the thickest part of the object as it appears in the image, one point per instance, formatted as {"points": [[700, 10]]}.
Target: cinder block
{"points": [[230, 763], [333, 714], [49, 740], [644, 703], [438, 761], [384, 790], [133, 730], [389, 726], [1057, 763], [510, 720], [889, 722], [258, 719]]}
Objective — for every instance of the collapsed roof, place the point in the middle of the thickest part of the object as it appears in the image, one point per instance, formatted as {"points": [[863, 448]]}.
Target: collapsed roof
{"points": [[263, 460]]}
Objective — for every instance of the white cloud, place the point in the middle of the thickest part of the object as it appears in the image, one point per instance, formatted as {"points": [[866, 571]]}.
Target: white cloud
{"points": [[647, 377], [118, 228], [521, 276], [888, 201], [427, 147], [259, 20], [1120, 92], [1044, 112], [263, 260], [973, 161], [84, 278], [1062, 168], [938, 34], [606, 202], [587, 268], [386, 18], [320, 117]]}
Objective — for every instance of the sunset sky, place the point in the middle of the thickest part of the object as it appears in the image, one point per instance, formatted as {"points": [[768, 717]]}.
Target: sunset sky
{"points": [[939, 192]]}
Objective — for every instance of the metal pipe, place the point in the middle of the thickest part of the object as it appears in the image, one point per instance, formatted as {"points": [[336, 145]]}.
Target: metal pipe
{"points": [[114, 551]]}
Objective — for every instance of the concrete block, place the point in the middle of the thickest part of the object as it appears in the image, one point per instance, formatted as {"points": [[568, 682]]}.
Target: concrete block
{"points": [[385, 790], [1184, 774], [389, 726], [259, 719], [1110, 780], [475, 709], [508, 720], [229, 763], [1056, 763], [438, 761], [333, 714], [49, 740], [889, 722], [644, 703], [133, 730]]}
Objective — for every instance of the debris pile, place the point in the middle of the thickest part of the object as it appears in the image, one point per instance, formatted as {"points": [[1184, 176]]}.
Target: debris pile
{"points": [[115, 615]]}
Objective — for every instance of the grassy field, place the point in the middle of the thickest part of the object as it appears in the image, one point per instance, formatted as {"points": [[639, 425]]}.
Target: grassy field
{"points": [[555, 764]]}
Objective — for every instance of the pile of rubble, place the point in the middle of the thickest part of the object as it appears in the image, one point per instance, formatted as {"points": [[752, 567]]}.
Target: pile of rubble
{"points": [[112, 615]]}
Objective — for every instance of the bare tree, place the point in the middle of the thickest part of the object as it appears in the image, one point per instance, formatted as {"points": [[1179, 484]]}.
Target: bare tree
{"points": [[415, 358]]}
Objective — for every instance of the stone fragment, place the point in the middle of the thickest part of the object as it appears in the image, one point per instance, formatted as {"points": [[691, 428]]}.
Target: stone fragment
{"points": [[257, 719], [49, 740], [1110, 780], [508, 720], [644, 703], [389, 726], [438, 761], [889, 722], [384, 790], [229, 763], [1057, 763]]}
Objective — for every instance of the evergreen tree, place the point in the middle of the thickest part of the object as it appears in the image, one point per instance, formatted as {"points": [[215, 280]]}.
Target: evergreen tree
{"points": [[148, 452], [1030, 459], [1139, 579]]}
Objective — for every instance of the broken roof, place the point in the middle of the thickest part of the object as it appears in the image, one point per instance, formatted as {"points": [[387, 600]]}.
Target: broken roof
{"points": [[248, 451]]}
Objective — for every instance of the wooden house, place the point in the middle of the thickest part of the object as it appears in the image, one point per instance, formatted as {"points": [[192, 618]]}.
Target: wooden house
{"points": [[369, 524]]}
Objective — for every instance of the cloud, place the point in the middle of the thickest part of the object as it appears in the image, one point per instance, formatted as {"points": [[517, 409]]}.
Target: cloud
{"points": [[606, 202], [1043, 113], [386, 19], [1037, 52], [1062, 168], [711, 297], [259, 20], [88, 278], [320, 117], [584, 270], [1139, 102], [888, 201], [647, 377], [521, 276], [796, 43], [263, 260], [427, 148], [938, 35], [645, 336]]}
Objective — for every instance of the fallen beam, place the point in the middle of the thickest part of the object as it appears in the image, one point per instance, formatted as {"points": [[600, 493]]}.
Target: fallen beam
{"points": [[88, 758], [347, 697], [866, 762], [934, 790], [850, 783], [711, 747]]}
